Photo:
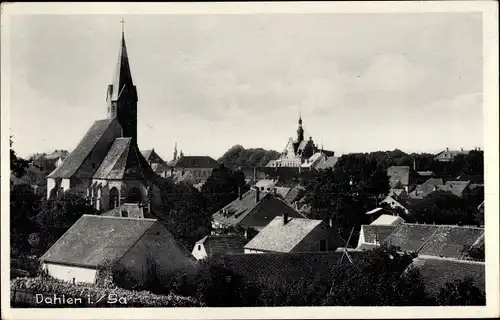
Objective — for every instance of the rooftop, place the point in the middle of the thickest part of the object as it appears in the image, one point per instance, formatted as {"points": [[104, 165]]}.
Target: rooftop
{"points": [[278, 236]]}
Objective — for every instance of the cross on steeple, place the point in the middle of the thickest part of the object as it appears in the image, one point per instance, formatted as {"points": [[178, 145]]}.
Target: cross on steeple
{"points": [[123, 26]]}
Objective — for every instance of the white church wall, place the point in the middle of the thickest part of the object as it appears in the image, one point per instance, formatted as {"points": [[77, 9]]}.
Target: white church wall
{"points": [[68, 273], [51, 183], [199, 252], [65, 184]]}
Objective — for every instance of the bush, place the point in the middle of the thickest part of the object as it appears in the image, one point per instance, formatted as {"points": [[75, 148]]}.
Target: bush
{"points": [[134, 298]]}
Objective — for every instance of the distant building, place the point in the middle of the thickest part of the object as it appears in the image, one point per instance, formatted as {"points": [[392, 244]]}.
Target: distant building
{"points": [[200, 167], [284, 234], [400, 178], [387, 220], [304, 153], [371, 236], [128, 210], [429, 186], [448, 155], [159, 166], [107, 166], [137, 244], [394, 202], [215, 245]]}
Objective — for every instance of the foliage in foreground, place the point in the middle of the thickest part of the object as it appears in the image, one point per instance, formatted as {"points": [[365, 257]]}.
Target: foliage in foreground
{"points": [[461, 292], [50, 286]]}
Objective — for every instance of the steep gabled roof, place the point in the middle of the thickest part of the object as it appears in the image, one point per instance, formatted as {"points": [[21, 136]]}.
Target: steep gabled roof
{"points": [[411, 237], [436, 272], [248, 212], [194, 162], [280, 237], [123, 161], [76, 158], [94, 239], [387, 220]]}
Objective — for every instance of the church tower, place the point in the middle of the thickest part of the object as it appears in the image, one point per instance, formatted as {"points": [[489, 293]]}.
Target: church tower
{"points": [[300, 130], [121, 97]]}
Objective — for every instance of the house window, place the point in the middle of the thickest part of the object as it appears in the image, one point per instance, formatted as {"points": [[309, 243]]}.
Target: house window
{"points": [[124, 214], [199, 247], [322, 245]]}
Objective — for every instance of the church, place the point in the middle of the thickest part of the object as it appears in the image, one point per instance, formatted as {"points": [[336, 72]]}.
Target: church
{"points": [[107, 166], [302, 153]]}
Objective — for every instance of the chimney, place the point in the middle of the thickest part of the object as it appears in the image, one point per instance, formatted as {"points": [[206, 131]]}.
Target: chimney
{"points": [[462, 149], [239, 193], [285, 218], [257, 194]]}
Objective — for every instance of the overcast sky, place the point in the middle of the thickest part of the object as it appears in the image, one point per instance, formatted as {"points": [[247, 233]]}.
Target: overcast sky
{"points": [[362, 82]]}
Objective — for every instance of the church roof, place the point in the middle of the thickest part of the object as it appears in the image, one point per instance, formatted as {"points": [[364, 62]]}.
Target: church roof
{"points": [[123, 76], [75, 159], [123, 161]]}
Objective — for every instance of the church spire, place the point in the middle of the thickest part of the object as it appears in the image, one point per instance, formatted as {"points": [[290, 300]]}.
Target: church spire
{"points": [[122, 94], [300, 130]]}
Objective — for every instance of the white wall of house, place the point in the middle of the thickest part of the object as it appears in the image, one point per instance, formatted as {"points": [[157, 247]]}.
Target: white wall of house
{"points": [[68, 273], [51, 183], [199, 252], [249, 251]]}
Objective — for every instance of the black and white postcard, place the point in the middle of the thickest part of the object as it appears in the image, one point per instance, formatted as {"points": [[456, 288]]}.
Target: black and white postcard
{"points": [[250, 160]]}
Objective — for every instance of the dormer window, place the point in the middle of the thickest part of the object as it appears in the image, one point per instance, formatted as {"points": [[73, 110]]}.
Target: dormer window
{"points": [[199, 247]]}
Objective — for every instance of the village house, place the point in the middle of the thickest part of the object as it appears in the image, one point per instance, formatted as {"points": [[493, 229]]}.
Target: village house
{"points": [[128, 210], [429, 186], [252, 211], [371, 236], [284, 234], [215, 245], [200, 167], [159, 166], [401, 178], [136, 244], [394, 202]]}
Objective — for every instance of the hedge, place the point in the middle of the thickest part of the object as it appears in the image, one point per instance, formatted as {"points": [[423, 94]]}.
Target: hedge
{"points": [[51, 286]]}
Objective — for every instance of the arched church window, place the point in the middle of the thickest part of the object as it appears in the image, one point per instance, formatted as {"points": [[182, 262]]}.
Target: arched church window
{"points": [[114, 197]]}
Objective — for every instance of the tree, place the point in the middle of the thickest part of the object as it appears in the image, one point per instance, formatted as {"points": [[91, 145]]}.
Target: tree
{"points": [[347, 192], [57, 215], [443, 208], [18, 166], [182, 209], [473, 252], [461, 292], [222, 187], [380, 277], [218, 286], [24, 205], [237, 156]]}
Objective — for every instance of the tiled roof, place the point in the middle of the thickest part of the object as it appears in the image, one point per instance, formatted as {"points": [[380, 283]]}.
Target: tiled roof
{"points": [[455, 187], [294, 194], [425, 173], [376, 233], [94, 239], [280, 237], [195, 162], [436, 240], [285, 267], [75, 159], [223, 244], [436, 272], [387, 220], [133, 210], [186, 177], [123, 161], [399, 173], [411, 237], [248, 212], [450, 240]]}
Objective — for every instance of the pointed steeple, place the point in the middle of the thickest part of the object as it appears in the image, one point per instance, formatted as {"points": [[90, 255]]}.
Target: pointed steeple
{"points": [[300, 130], [122, 94]]}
